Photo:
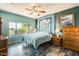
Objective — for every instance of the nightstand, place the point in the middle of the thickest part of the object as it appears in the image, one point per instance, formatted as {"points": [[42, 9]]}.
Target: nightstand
{"points": [[57, 41]]}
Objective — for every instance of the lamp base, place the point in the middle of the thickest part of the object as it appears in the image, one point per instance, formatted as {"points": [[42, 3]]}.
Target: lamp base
{"points": [[1, 37]]}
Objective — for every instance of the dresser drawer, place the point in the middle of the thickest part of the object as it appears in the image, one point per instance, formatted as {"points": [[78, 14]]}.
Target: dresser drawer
{"points": [[56, 41], [68, 46], [3, 43], [71, 40], [3, 47], [74, 43], [3, 52]]}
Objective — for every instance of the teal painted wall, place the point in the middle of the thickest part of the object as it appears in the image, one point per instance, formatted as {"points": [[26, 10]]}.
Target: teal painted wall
{"points": [[55, 17], [10, 17], [52, 16], [74, 11]]}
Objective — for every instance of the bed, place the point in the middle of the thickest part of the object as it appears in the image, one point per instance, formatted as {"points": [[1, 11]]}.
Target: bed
{"points": [[36, 38]]}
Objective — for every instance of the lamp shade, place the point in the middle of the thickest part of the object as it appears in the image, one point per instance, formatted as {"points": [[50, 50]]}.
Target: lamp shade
{"points": [[57, 30]]}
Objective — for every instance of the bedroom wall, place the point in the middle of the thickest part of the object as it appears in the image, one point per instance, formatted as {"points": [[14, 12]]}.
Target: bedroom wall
{"points": [[52, 21], [74, 11], [55, 17], [10, 17], [18, 18]]}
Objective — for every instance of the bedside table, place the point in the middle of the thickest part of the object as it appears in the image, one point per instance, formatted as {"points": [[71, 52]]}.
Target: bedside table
{"points": [[57, 41]]}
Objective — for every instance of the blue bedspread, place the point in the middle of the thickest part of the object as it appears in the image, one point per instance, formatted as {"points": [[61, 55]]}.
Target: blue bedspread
{"points": [[36, 38]]}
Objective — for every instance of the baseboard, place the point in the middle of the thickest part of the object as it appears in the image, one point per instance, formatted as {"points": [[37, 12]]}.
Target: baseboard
{"points": [[13, 42]]}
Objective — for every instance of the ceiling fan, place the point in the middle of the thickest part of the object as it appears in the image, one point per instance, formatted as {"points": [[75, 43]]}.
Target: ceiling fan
{"points": [[36, 9]]}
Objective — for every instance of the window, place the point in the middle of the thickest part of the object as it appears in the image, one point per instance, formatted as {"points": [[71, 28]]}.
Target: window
{"points": [[12, 28], [17, 28], [44, 25], [22, 28]]}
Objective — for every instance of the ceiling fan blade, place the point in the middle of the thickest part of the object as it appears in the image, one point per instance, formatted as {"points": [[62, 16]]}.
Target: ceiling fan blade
{"points": [[28, 9], [42, 11], [31, 13]]}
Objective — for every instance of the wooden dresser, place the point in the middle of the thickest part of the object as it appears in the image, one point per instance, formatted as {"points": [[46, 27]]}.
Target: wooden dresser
{"points": [[3, 42], [3, 47], [71, 38]]}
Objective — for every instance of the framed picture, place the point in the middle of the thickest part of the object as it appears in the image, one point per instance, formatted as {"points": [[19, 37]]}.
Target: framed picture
{"points": [[67, 20]]}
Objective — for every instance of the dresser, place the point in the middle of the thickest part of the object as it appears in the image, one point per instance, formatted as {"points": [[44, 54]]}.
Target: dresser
{"points": [[57, 41], [71, 38], [3, 47], [3, 42]]}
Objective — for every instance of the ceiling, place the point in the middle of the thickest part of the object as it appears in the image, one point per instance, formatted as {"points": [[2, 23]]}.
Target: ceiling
{"points": [[19, 8]]}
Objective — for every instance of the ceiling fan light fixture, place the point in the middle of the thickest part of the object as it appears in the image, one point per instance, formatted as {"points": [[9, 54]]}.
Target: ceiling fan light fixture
{"points": [[35, 10]]}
